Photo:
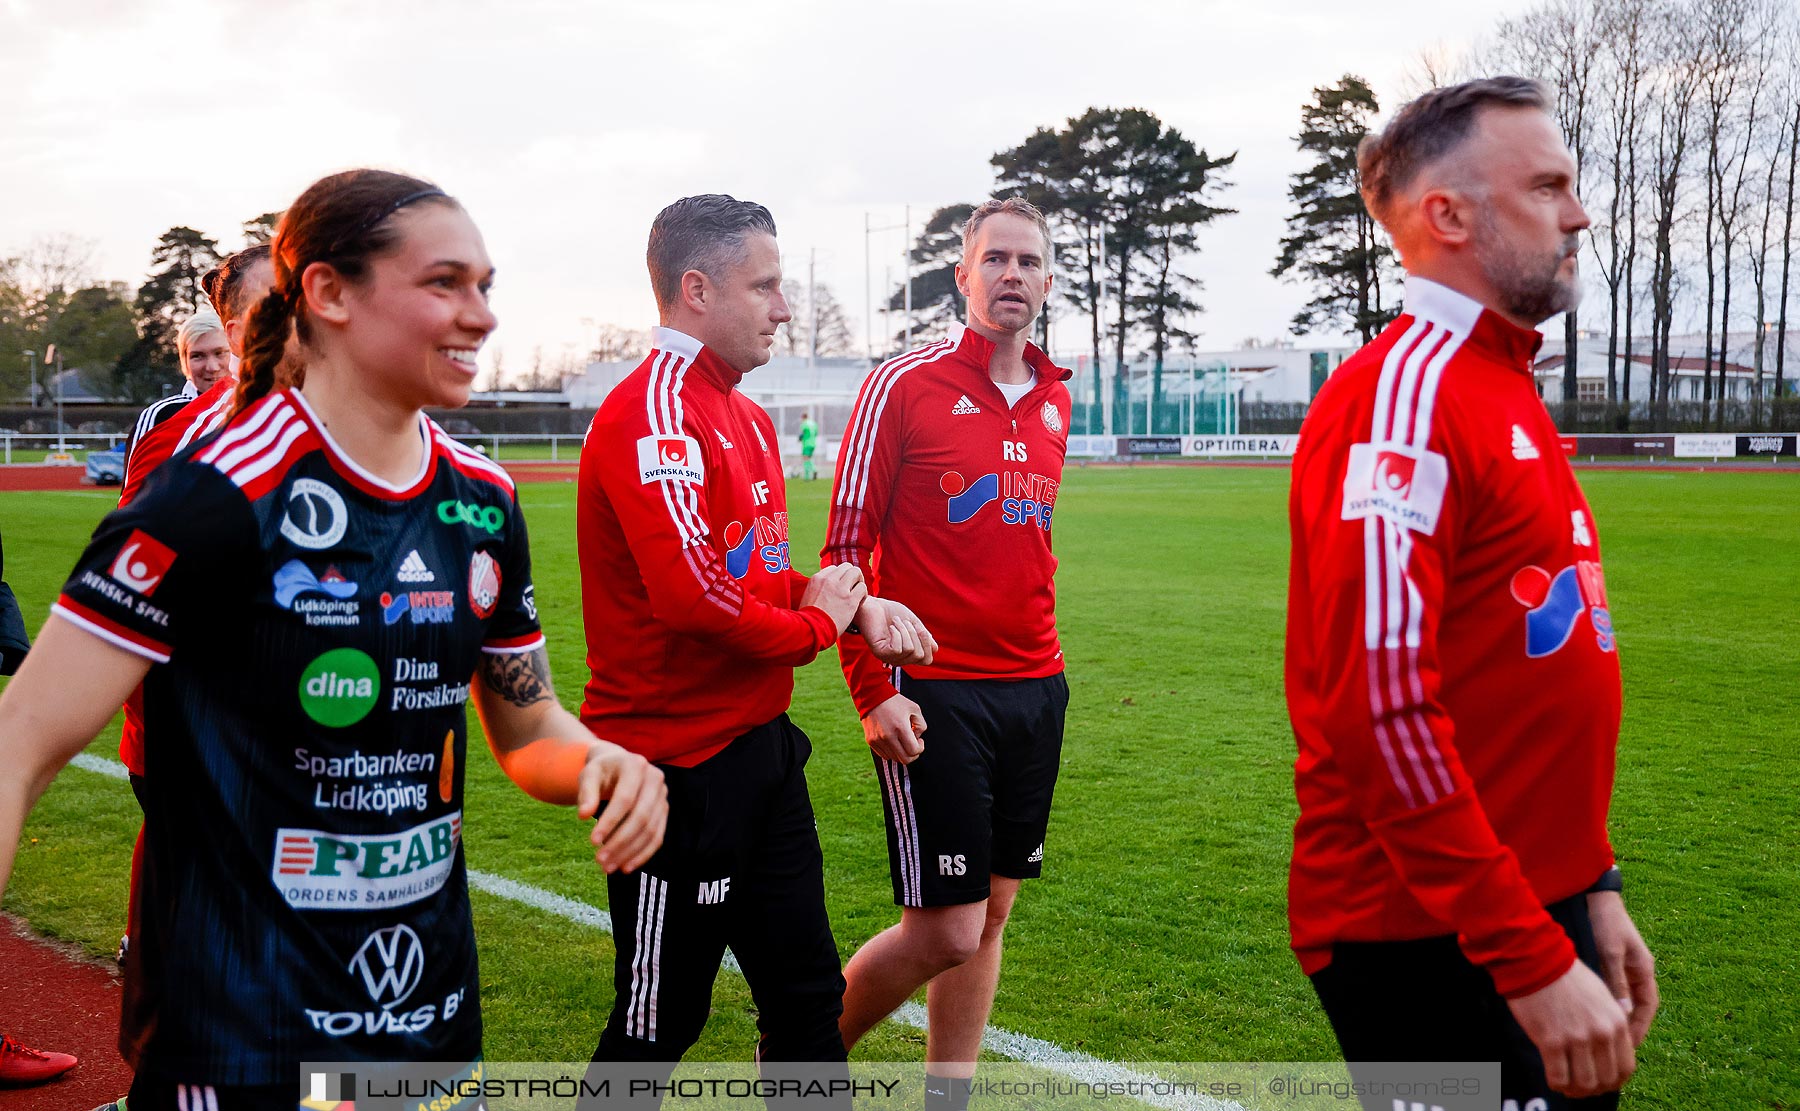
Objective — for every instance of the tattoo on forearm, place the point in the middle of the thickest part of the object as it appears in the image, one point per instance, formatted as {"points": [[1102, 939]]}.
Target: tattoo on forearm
{"points": [[521, 679]]}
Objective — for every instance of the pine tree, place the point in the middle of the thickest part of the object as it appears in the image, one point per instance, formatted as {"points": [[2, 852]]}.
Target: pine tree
{"points": [[1333, 243]]}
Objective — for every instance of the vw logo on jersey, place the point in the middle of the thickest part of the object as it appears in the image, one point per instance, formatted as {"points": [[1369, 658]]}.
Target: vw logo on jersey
{"points": [[315, 517], [391, 963]]}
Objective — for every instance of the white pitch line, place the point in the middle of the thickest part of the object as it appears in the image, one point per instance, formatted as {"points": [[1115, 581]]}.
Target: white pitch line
{"points": [[1018, 1047]]}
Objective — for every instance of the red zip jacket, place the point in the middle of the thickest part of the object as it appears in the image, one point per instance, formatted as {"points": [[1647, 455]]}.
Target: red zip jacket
{"points": [[686, 589], [155, 446], [1451, 670], [159, 444], [962, 488]]}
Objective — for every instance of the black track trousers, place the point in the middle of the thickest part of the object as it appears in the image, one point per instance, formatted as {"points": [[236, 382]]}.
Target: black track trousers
{"points": [[740, 867]]}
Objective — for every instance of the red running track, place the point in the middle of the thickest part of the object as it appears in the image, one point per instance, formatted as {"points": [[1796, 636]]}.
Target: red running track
{"points": [[54, 997]]}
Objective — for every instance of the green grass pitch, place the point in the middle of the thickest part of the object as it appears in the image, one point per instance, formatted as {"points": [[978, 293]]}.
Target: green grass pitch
{"points": [[1158, 932]]}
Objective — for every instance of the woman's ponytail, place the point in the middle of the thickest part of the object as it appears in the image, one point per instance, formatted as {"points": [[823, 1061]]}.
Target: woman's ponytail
{"points": [[265, 343]]}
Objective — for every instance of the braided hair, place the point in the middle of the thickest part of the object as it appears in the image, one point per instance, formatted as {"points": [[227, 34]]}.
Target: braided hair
{"points": [[344, 220]]}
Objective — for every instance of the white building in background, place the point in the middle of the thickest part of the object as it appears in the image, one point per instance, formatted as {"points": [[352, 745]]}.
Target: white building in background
{"points": [[1687, 366]]}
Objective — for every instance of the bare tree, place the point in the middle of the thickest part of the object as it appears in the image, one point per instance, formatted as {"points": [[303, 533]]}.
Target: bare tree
{"points": [[1737, 37], [1677, 73], [57, 264], [1787, 235], [1773, 150], [614, 344], [1619, 101], [1558, 42]]}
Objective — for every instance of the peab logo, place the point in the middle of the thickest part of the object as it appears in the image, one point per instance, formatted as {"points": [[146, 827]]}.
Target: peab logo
{"points": [[676, 457], [340, 687], [315, 516], [317, 869]]}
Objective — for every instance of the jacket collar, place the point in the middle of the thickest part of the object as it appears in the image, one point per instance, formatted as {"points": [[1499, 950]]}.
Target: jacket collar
{"points": [[705, 363], [1484, 329], [980, 350]]}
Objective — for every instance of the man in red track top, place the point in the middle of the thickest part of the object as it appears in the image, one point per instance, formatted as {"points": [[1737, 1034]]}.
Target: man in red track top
{"points": [[695, 622], [1452, 671], [945, 496]]}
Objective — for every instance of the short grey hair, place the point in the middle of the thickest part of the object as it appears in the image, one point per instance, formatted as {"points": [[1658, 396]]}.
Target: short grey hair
{"points": [[1016, 206], [1431, 126], [704, 233]]}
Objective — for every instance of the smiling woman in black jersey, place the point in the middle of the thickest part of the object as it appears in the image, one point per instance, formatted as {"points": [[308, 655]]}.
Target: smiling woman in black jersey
{"points": [[311, 596]]}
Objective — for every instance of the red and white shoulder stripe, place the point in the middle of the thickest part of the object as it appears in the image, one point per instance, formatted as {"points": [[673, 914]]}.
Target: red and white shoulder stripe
{"points": [[261, 443], [467, 460], [110, 631], [859, 444], [665, 414], [1393, 610], [210, 420], [514, 646]]}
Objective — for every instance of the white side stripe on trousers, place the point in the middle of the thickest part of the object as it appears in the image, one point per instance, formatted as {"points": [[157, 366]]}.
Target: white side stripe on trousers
{"points": [[646, 962], [196, 1097]]}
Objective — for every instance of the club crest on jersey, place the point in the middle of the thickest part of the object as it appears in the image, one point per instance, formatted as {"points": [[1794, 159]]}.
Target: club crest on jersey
{"points": [[1052, 417], [1554, 605], [1396, 482], [142, 563], [676, 457], [315, 516], [484, 584]]}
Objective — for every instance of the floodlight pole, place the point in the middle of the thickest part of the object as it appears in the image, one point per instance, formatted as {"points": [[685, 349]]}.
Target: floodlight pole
{"points": [[869, 229], [31, 358], [62, 435], [907, 277], [868, 298], [812, 309]]}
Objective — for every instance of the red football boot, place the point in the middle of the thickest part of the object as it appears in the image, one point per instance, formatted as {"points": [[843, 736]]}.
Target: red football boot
{"points": [[23, 1065]]}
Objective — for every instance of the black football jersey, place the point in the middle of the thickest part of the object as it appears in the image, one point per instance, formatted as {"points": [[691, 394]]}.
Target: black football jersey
{"points": [[315, 632]]}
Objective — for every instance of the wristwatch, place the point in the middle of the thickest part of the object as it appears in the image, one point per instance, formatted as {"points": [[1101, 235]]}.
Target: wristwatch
{"points": [[1610, 880]]}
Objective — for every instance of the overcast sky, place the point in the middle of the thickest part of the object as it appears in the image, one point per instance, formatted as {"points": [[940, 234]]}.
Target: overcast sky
{"points": [[565, 126]]}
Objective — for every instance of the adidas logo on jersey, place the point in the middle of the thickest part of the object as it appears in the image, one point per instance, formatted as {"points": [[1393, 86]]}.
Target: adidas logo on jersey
{"points": [[964, 406], [1522, 446], [413, 569]]}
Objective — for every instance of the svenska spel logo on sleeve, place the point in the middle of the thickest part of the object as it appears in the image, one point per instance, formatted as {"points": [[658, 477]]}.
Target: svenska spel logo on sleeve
{"points": [[141, 563], [676, 457]]}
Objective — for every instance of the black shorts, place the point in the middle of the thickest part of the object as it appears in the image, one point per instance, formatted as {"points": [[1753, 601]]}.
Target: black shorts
{"points": [[1424, 1000], [977, 801]]}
